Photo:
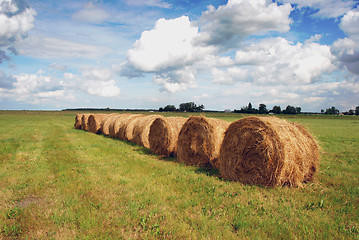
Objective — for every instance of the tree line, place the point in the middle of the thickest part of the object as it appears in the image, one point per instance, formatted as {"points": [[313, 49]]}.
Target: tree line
{"points": [[262, 109], [183, 107]]}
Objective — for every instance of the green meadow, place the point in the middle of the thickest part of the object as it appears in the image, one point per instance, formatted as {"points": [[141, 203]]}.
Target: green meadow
{"points": [[60, 183]]}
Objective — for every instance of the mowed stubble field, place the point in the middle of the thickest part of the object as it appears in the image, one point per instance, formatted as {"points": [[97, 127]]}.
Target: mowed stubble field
{"points": [[60, 183]]}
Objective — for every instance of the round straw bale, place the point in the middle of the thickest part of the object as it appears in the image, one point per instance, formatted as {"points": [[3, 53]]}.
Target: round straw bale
{"points": [[78, 118], [313, 157], [199, 141], [268, 151], [141, 130], [106, 122], [163, 135], [125, 126], [84, 121], [114, 126], [94, 122]]}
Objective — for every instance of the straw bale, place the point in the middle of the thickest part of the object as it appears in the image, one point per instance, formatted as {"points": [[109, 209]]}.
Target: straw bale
{"points": [[141, 130], [106, 122], [94, 122], [163, 135], [84, 121], [199, 141], [78, 118], [125, 127], [115, 124], [268, 151]]}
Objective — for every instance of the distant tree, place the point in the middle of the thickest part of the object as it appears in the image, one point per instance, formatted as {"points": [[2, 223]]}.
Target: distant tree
{"points": [[190, 107], [332, 111], [357, 110], [200, 108], [321, 110], [262, 109], [160, 109], [250, 108], [290, 110], [298, 110], [247, 109], [276, 110], [170, 108], [350, 112]]}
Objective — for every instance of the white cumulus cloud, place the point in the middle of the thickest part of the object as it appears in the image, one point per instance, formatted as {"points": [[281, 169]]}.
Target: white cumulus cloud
{"points": [[15, 22], [278, 61], [176, 50], [97, 81], [177, 80], [347, 49], [168, 45], [230, 23]]}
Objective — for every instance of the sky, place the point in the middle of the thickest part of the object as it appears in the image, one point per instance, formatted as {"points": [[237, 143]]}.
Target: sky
{"points": [[146, 54]]}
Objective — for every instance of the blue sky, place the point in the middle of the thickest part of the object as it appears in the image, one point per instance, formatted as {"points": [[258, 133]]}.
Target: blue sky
{"points": [[150, 53]]}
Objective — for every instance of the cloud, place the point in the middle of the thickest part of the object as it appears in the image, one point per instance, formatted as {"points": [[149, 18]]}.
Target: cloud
{"points": [[150, 3], [40, 82], [54, 48], [3, 56], [31, 88], [177, 80], [97, 81], [347, 50], [15, 21], [57, 67], [6, 82], [91, 13], [311, 97], [231, 23], [349, 23], [103, 88], [174, 50], [278, 61], [168, 45], [230, 75], [325, 8]]}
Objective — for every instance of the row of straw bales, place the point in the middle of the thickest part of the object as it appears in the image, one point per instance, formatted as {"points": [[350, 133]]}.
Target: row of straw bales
{"points": [[265, 151]]}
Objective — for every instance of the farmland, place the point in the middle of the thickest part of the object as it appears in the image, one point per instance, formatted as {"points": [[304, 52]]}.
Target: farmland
{"points": [[57, 182]]}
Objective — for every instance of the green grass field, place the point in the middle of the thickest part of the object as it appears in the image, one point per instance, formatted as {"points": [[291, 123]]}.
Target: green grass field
{"points": [[60, 183]]}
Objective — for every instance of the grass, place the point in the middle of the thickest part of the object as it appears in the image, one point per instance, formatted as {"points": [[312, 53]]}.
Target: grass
{"points": [[60, 183]]}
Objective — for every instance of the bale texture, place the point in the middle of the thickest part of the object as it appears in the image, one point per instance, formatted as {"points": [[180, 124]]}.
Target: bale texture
{"points": [[106, 122], [199, 141], [163, 135], [78, 120], [125, 126], [114, 126], [268, 151], [84, 121], [94, 122], [141, 130]]}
